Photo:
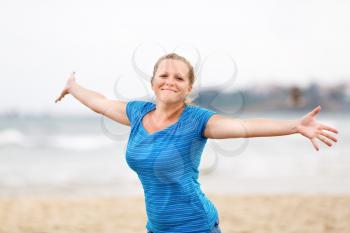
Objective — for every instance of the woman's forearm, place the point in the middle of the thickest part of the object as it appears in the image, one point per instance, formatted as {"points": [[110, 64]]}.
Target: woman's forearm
{"points": [[89, 98], [268, 127]]}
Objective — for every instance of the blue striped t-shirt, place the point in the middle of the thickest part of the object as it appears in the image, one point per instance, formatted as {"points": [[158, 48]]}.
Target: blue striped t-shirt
{"points": [[166, 163]]}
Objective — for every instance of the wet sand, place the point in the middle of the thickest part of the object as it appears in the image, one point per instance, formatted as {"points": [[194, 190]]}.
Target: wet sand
{"points": [[238, 214]]}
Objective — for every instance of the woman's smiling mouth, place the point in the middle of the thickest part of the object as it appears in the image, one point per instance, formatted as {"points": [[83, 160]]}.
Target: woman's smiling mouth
{"points": [[168, 90]]}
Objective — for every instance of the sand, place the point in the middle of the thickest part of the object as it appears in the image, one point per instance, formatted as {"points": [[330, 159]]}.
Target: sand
{"points": [[243, 214]]}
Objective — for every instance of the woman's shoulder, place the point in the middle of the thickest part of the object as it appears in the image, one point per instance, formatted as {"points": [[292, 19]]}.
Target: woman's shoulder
{"points": [[197, 114], [135, 108], [139, 104], [197, 118]]}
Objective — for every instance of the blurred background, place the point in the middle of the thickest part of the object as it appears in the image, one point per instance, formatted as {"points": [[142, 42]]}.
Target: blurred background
{"points": [[253, 59]]}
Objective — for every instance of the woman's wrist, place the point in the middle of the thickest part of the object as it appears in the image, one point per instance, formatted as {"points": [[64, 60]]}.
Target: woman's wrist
{"points": [[296, 128]]}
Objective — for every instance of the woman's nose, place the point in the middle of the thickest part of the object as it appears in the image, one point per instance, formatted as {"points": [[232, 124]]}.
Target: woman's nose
{"points": [[170, 81]]}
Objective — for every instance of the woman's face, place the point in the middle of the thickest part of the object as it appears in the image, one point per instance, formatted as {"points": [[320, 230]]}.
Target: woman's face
{"points": [[171, 83]]}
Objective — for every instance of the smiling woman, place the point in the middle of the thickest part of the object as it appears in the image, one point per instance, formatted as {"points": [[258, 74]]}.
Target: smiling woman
{"points": [[167, 139]]}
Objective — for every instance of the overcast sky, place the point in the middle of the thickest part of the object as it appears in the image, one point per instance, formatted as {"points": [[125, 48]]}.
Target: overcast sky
{"points": [[293, 42]]}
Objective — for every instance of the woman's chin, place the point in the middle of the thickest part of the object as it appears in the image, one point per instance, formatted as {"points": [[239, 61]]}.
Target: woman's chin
{"points": [[168, 100]]}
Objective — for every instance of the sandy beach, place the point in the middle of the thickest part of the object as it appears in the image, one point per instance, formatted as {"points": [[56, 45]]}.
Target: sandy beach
{"points": [[238, 214]]}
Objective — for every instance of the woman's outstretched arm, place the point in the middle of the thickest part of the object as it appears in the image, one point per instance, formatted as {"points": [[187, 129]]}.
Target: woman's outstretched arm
{"points": [[219, 127], [113, 109]]}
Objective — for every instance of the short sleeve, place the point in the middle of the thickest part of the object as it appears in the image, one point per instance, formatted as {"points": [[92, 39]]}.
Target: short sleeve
{"points": [[202, 117], [134, 109]]}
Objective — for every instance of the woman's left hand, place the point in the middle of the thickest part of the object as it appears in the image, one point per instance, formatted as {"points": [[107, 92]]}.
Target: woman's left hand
{"points": [[312, 129]]}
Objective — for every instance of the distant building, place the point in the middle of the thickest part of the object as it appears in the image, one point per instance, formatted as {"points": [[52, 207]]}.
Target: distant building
{"points": [[297, 99], [347, 93]]}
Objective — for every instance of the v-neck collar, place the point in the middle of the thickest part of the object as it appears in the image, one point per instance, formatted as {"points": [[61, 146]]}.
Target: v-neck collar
{"points": [[164, 129]]}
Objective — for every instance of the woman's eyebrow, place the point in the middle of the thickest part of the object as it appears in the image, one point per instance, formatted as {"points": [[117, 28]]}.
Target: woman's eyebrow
{"points": [[178, 74]]}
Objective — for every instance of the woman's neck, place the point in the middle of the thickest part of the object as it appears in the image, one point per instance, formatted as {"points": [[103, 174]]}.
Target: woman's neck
{"points": [[167, 112]]}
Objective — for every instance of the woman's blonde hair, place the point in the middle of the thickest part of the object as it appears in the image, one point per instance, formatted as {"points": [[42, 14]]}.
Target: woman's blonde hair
{"points": [[175, 56]]}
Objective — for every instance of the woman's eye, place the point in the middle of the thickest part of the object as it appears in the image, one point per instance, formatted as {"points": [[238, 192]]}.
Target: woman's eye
{"points": [[163, 75], [180, 78]]}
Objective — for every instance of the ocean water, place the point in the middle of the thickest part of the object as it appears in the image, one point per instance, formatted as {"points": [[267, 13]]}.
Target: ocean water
{"points": [[86, 156]]}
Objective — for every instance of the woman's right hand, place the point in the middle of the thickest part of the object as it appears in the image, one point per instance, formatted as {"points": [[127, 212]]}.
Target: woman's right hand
{"points": [[65, 90]]}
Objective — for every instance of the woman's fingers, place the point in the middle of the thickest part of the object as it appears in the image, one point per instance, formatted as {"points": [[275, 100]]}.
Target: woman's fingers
{"points": [[72, 76], [59, 98], [329, 128], [329, 136], [315, 111], [313, 141], [63, 93], [324, 140], [323, 137], [65, 90]]}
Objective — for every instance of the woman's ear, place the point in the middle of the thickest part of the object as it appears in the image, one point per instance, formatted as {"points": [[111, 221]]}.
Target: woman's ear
{"points": [[190, 88], [152, 83]]}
